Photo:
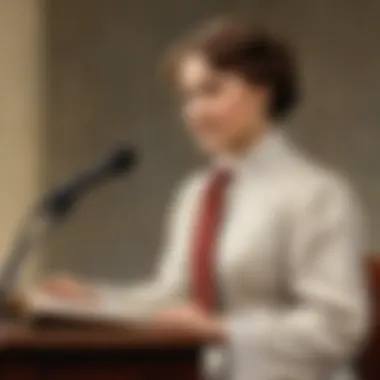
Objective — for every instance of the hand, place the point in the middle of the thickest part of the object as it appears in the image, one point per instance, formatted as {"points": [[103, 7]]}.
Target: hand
{"points": [[64, 286], [190, 318]]}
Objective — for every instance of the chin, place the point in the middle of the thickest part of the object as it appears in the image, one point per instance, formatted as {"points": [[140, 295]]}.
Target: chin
{"points": [[212, 147]]}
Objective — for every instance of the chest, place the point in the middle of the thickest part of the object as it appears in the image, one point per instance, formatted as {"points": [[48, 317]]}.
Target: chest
{"points": [[250, 241]]}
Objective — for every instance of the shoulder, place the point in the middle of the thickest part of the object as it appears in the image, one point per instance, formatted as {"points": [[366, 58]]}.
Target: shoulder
{"points": [[316, 187], [188, 186], [191, 181]]}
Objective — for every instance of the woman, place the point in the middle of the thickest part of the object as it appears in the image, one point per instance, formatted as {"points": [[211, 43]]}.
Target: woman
{"points": [[264, 246]]}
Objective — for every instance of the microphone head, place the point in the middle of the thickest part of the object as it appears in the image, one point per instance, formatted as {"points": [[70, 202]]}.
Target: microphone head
{"points": [[60, 200], [121, 160]]}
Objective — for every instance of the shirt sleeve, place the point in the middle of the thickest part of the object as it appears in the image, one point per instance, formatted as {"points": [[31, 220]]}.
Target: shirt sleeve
{"points": [[327, 321], [168, 285]]}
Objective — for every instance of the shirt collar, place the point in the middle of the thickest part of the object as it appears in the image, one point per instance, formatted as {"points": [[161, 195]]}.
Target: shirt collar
{"points": [[257, 156]]}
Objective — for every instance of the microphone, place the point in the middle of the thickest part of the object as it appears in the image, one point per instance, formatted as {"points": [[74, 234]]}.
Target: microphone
{"points": [[58, 202], [52, 208]]}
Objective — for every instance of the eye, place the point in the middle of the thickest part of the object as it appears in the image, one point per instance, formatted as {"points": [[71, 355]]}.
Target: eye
{"points": [[211, 87], [206, 89]]}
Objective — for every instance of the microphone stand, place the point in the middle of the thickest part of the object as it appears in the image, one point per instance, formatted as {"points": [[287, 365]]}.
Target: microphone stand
{"points": [[51, 210], [36, 226]]}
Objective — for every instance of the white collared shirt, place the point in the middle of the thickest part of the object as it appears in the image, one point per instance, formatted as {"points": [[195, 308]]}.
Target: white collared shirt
{"points": [[289, 265]]}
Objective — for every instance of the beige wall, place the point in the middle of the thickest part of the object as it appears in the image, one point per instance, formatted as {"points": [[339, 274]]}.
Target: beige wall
{"points": [[20, 112]]}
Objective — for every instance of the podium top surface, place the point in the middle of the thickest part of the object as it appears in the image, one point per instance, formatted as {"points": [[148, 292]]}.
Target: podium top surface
{"points": [[23, 336]]}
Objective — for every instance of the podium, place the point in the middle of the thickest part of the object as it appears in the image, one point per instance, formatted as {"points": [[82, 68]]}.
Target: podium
{"points": [[71, 353]]}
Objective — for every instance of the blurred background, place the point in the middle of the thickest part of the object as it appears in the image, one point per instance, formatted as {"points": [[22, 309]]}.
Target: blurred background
{"points": [[79, 76]]}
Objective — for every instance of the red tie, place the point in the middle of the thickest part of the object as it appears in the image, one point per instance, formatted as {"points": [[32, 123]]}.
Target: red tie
{"points": [[206, 231]]}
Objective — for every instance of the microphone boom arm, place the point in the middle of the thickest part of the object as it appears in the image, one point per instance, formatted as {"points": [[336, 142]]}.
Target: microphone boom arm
{"points": [[50, 211]]}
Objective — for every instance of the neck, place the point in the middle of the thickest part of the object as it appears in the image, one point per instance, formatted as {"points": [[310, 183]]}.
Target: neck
{"points": [[240, 146]]}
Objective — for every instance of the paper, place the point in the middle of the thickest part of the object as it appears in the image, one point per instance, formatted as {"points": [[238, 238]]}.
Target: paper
{"points": [[105, 309]]}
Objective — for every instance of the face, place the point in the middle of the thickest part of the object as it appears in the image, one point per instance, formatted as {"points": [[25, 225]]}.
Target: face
{"points": [[222, 110]]}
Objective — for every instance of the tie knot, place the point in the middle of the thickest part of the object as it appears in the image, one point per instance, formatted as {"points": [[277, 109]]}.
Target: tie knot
{"points": [[221, 177]]}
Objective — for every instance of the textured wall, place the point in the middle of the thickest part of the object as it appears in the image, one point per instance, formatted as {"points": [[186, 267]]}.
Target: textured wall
{"points": [[103, 88], [21, 117]]}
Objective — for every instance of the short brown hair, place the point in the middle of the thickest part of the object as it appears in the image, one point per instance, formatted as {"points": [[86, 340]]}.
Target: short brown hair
{"points": [[237, 46]]}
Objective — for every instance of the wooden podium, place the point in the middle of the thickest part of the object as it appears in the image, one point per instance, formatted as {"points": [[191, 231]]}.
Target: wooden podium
{"points": [[68, 353]]}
